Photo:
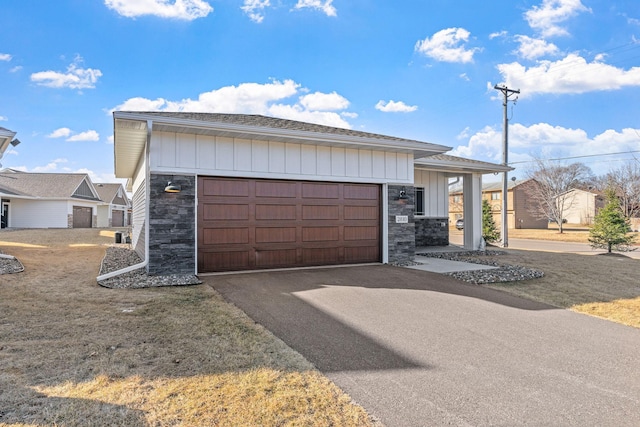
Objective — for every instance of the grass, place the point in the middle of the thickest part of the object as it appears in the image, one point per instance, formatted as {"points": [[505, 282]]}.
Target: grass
{"points": [[75, 354], [605, 286]]}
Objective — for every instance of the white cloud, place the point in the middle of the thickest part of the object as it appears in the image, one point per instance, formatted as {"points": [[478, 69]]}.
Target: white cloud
{"points": [[447, 45], [572, 74], [464, 77], [544, 140], [71, 136], [5, 57], [464, 134], [324, 101], [178, 9], [90, 135], [497, 34], [15, 69], [255, 98], [531, 48], [254, 9], [3, 118], [547, 18], [49, 167], [74, 78], [395, 107], [325, 6], [60, 133]]}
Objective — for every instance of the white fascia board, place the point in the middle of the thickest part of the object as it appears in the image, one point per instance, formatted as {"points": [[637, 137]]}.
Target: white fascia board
{"points": [[295, 135]]}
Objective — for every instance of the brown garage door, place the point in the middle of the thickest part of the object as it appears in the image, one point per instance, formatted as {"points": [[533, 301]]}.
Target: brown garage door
{"points": [[117, 218], [246, 224], [82, 217]]}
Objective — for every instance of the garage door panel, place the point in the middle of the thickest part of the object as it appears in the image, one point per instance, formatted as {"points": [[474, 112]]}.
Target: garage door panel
{"points": [[354, 255], [365, 192], [224, 187], [117, 218], [320, 234], [227, 212], [360, 233], [225, 261], [276, 189], [313, 190], [320, 213], [276, 258], [276, 212], [321, 256], [221, 236], [361, 213], [286, 224], [275, 235]]}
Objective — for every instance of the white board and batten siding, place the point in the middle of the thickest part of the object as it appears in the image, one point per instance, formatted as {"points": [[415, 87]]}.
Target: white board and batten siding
{"points": [[436, 192], [29, 213], [223, 156]]}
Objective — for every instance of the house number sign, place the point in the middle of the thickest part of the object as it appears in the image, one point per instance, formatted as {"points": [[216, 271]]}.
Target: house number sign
{"points": [[402, 219]]}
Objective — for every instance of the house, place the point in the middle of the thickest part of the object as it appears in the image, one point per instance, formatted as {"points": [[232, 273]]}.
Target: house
{"points": [[581, 206], [519, 209], [113, 211], [47, 200], [228, 192]]}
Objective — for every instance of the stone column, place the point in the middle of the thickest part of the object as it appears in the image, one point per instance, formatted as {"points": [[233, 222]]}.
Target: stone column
{"points": [[402, 236], [172, 226]]}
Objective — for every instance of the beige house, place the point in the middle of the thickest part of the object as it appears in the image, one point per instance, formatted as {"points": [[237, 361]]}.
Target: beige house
{"points": [[581, 206], [518, 204]]}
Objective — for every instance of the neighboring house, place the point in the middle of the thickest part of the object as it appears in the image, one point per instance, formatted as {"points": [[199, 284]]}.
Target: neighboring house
{"points": [[113, 211], [47, 200], [226, 192], [519, 209], [581, 206]]}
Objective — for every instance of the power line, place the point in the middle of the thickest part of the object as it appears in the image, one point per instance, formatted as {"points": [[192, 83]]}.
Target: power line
{"points": [[578, 157]]}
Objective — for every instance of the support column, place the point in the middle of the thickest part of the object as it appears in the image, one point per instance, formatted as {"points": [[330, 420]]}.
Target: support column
{"points": [[472, 210]]}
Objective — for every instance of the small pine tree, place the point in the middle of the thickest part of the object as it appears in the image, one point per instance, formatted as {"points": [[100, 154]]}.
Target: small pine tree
{"points": [[490, 232], [610, 227]]}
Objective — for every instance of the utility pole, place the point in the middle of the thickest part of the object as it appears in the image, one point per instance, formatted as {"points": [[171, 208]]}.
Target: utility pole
{"points": [[504, 236]]}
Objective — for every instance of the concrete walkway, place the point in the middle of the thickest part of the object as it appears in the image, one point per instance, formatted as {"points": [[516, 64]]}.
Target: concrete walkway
{"points": [[421, 349]]}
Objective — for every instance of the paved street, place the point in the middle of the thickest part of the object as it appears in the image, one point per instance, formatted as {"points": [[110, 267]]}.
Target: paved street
{"points": [[420, 349], [547, 246]]}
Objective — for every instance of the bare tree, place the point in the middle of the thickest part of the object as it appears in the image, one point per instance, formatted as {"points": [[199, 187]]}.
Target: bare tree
{"points": [[552, 197], [625, 182]]}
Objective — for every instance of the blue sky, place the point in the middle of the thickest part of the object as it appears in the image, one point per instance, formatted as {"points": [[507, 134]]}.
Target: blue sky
{"points": [[417, 69]]}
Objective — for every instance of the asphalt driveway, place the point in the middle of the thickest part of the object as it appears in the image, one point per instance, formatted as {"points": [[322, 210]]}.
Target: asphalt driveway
{"points": [[421, 349]]}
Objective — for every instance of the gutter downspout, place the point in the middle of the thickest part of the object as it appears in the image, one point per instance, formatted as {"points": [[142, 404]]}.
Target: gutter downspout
{"points": [[146, 219]]}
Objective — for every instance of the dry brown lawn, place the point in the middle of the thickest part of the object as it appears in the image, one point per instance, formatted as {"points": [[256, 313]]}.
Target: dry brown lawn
{"points": [[75, 354], [605, 286]]}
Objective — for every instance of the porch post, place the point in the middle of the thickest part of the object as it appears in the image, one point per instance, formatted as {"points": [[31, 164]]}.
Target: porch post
{"points": [[472, 210]]}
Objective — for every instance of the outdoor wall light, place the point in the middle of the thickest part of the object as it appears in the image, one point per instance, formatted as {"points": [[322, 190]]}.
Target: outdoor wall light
{"points": [[403, 194], [15, 142], [172, 188]]}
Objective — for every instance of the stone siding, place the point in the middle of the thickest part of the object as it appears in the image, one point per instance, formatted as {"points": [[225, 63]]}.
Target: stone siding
{"points": [[432, 231], [402, 237], [172, 226]]}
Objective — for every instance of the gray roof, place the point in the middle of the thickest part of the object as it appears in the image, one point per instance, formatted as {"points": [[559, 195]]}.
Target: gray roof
{"points": [[108, 191], [453, 164], [42, 185], [255, 120]]}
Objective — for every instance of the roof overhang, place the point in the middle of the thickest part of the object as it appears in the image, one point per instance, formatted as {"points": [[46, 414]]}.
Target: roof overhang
{"points": [[455, 166], [130, 136], [6, 136]]}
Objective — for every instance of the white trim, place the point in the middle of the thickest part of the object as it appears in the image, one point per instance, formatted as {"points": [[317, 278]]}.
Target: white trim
{"points": [[385, 223]]}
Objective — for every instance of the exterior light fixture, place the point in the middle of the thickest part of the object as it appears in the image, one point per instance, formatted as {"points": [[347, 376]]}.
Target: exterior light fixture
{"points": [[172, 188], [403, 194], [15, 142]]}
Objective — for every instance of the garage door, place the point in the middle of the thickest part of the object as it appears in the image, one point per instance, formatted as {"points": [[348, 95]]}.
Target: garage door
{"points": [[246, 224], [82, 217], [117, 218]]}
